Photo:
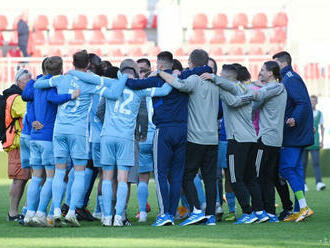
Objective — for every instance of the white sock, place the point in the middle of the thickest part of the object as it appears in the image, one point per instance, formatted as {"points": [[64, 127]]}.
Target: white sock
{"points": [[30, 213], [71, 213], [302, 203], [57, 212], [41, 214], [259, 212], [197, 211]]}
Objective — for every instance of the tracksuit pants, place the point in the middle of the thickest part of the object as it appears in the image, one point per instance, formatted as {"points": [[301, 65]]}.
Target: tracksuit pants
{"points": [[241, 157], [202, 157], [316, 164], [169, 150]]}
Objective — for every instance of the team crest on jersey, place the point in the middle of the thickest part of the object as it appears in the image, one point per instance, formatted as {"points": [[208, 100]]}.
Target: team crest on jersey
{"points": [[289, 74]]}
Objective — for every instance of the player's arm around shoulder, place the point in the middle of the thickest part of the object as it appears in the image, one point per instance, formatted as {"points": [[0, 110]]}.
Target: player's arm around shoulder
{"points": [[54, 81]]}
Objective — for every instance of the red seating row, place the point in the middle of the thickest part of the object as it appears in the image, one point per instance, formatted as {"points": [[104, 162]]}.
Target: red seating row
{"points": [[80, 22], [259, 20], [238, 37]]}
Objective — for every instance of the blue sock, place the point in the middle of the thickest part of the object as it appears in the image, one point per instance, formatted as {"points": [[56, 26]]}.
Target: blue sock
{"points": [[88, 179], [33, 192], [218, 197], [100, 198], [51, 210], [24, 209], [45, 195], [231, 202], [106, 197], [68, 187], [97, 205], [121, 197], [200, 189], [184, 201], [78, 188], [58, 187], [142, 195]]}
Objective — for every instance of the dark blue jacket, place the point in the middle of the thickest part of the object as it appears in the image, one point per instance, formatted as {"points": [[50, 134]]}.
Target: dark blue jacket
{"points": [[172, 109], [298, 106]]}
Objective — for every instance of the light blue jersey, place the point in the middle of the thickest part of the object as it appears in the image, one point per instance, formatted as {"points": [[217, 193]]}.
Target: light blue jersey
{"points": [[94, 122], [151, 125]]}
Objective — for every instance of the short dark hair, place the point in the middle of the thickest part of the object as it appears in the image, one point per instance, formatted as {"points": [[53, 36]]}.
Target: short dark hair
{"points": [[81, 59], [314, 96], [231, 69], [111, 72], [215, 69], [43, 66], [274, 68], [283, 57], [236, 65], [177, 65], [199, 57], [243, 74], [95, 64], [166, 57], [144, 60], [54, 65]]}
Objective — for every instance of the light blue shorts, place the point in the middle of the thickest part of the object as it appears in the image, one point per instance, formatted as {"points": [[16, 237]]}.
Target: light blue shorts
{"points": [[119, 167], [222, 151], [96, 154], [25, 150], [41, 154], [146, 163], [117, 151], [69, 145]]}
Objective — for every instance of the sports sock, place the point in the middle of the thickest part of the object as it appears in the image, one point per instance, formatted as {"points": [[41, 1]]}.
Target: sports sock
{"points": [[45, 195], [301, 199], [197, 211], [58, 187], [33, 193], [78, 187], [106, 197], [184, 201], [231, 202], [88, 179], [51, 210], [100, 198], [142, 195], [121, 197], [97, 205], [200, 190], [68, 187]]}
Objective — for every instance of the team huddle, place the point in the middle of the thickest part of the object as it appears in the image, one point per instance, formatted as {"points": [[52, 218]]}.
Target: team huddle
{"points": [[181, 124]]}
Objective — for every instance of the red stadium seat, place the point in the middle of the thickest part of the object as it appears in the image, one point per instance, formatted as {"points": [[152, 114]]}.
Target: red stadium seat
{"points": [[57, 38], [279, 36], [40, 22], [154, 22], [238, 37], [216, 51], [100, 21], [200, 21], [53, 51], [3, 22], [97, 38], [38, 38], [135, 52], [197, 37], [153, 51], [280, 20], [116, 37], [119, 22], [80, 22], [259, 20], [78, 39], [238, 51], [36, 53], [60, 22], [256, 51], [2, 41], [116, 53], [14, 52], [275, 49], [258, 37], [240, 20], [138, 37], [218, 37], [14, 39], [179, 52], [220, 21], [139, 22]]}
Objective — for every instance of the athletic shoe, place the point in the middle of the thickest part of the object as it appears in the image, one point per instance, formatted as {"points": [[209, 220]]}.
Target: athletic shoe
{"points": [[163, 220], [39, 220], [172, 219], [320, 186], [148, 208], [65, 209], [97, 215], [107, 221], [28, 220], [193, 219], [210, 221], [143, 217], [284, 214], [273, 218], [306, 188], [247, 219], [304, 213], [15, 218], [230, 217], [126, 222], [72, 220], [219, 212], [118, 221], [50, 220], [291, 217], [58, 221], [263, 217], [84, 214]]}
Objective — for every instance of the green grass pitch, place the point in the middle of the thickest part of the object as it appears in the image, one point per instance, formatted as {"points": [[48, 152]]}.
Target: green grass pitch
{"points": [[314, 232]]}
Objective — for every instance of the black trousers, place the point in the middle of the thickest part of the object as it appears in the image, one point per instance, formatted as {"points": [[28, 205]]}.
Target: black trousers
{"points": [[241, 157], [202, 157], [282, 189], [266, 163]]}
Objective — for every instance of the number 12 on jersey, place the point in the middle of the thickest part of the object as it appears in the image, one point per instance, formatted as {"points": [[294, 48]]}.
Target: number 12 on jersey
{"points": [[123, 101]]}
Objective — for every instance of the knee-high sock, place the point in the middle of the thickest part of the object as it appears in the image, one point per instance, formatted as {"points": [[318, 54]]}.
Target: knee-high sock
{"points": [[45, 195], [33, 193], [58, 189], [68, 187], [106, 197], [142, 195], [200, 190], [88, 178], [78, 187], [121, 198], [231, 202]]}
